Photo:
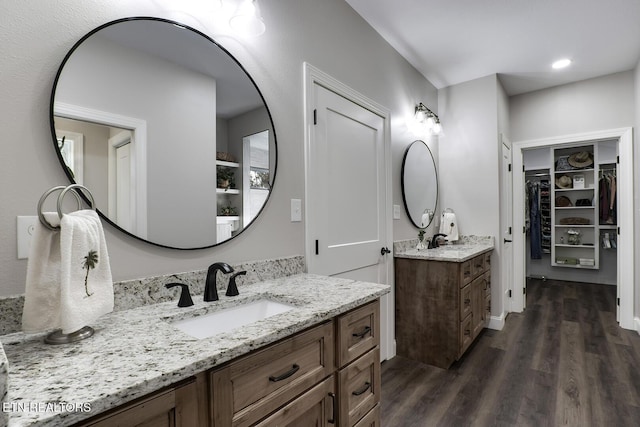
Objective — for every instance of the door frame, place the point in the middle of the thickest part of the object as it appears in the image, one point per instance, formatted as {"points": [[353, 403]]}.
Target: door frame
{"points": [[625, 270], [138, 128], [311, 77]]}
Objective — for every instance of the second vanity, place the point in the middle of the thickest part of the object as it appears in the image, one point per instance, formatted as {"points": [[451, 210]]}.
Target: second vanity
{"points": [[442, 300], [319, 360]]}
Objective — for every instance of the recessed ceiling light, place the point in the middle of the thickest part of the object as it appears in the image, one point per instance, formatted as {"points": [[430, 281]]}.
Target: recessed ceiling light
{"points": [[561, 63]]}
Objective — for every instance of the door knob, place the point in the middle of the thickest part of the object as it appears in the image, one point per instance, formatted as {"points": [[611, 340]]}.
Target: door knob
{"points": [[384, 251]]}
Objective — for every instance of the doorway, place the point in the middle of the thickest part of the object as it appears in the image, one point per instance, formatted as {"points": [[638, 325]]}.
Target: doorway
{"points": [[625, 226]]}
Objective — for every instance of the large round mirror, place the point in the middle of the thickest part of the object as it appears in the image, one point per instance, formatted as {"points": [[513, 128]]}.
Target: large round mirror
{"points": [[167, 130], [419, 184]]}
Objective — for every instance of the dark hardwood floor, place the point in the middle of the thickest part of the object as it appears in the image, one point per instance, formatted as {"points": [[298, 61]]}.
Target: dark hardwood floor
{"points": [[563, 362]]}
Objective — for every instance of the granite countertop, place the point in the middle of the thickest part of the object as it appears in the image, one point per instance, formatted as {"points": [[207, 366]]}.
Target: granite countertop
{"points": [[449, 253], [137, 351]]}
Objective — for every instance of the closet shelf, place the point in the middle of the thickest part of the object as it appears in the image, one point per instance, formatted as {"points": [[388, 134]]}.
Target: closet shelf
{"points": [[561, 190], [575, 226], [562, 208], [561, 245]]}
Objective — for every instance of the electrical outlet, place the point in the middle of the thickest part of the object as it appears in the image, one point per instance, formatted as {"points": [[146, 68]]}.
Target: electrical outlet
{"points": [[26, 227]]}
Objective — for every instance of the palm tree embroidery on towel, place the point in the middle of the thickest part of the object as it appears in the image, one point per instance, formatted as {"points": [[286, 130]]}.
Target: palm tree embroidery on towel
{"points": [[90, 262]]}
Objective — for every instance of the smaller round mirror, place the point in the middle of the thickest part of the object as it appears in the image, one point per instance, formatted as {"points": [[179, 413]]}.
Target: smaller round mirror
{"points": [[419, 184]]}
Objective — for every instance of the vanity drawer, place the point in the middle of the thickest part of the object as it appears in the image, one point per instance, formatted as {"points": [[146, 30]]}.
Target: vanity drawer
{"points": [[358, 331], [466, 273], [372, 419], [487, 261], [316, 407], [359, 387], [250, 388], [477, 265], [465, 301]]}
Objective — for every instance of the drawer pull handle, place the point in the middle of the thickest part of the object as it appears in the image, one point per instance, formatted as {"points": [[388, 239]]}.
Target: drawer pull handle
{"points": [[467, 301], [366, 330], [333, 413], [286, 375], [366, 387], [467, 332]]}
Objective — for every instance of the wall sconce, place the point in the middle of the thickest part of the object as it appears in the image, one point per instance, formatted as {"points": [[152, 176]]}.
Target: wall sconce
{"points": [[427, 119], [247, 19]]}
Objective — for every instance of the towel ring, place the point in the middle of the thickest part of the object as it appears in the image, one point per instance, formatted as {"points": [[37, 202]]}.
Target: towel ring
{"points": [[63, 191], [76, 193]]}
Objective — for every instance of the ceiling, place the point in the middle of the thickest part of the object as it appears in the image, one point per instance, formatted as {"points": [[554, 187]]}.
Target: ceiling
{"points": [[453, 41]]}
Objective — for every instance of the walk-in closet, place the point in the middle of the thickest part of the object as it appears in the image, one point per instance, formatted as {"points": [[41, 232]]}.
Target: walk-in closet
{"points": [[571, 212]]}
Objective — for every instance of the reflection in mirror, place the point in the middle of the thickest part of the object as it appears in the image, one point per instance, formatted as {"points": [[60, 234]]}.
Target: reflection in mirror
{"points": [[419, 184], [163, 113]]}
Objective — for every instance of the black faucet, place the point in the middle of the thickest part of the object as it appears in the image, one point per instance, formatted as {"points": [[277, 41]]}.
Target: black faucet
{"points": [[232, 288], [210, 291], [434, 240], [185, 296]]}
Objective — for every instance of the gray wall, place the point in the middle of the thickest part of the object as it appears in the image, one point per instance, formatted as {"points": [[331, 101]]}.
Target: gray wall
{"points": [[469, 152], [36, 35]]}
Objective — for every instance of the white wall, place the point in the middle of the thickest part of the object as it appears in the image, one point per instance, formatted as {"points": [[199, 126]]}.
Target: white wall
{"points": [[469, 155], [590, 105], [328, 34]]}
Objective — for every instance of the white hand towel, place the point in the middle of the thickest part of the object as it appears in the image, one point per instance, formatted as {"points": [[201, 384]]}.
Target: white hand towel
{"points": [[42, 292], [86, 286], [449, 226], [69, 282]]}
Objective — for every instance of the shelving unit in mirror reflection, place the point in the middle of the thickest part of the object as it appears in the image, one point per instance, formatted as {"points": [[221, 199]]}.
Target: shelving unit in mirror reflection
{"points": [[228, 202]]}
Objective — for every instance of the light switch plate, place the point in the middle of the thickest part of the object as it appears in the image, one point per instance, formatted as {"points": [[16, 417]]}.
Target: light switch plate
{"points": [[296, 210], [396, 211], [26, 227]]}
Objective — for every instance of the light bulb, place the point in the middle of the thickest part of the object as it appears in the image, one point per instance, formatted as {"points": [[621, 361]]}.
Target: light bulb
{"points": [[247, 19], [437, 128]]}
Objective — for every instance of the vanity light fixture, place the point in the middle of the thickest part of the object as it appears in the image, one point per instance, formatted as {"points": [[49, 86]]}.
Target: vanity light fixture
{"points": [[561, 63], [427, 119], [247, 19]]}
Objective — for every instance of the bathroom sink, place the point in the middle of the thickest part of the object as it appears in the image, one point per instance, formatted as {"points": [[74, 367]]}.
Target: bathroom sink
{"points": [[225, 320]]}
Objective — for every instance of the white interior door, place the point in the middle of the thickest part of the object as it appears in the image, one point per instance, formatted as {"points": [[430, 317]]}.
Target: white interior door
{"points": [[507, 227], [347, 196], [121, 196]]}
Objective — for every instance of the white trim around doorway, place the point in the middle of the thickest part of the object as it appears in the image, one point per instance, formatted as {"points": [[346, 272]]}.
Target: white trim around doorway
{"points": [[626, 273]]}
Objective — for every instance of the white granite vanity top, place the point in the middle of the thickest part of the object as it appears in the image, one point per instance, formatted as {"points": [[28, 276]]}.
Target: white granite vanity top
{"points": [[135, 352], [450, 253]]}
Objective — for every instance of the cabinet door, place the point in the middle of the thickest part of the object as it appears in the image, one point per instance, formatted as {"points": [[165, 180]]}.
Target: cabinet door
{"points": [[176, 407], [478, 293], [315, 408]]}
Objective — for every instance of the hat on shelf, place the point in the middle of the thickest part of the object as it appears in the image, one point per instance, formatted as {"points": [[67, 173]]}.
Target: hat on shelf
{"points": [[581, 159], [564, 181], [563, 202]]}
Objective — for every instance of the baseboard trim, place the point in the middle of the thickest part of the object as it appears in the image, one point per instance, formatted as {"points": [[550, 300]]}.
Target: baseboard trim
{"points": [[636, 324], [497, 322]]}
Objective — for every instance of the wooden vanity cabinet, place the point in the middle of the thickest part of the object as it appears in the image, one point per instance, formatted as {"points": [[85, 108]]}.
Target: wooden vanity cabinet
{"points": [[328, 375], [441, 307], [176, 406]]}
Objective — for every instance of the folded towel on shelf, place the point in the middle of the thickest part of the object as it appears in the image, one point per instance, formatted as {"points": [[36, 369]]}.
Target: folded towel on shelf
{"points": [[449, 226], [70, 269]]}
